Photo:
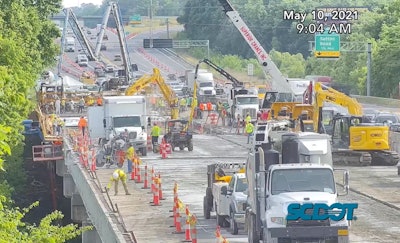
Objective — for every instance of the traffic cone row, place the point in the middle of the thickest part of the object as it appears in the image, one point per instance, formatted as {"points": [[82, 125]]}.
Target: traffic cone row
{"points": [[219, 237], [93, 165]]}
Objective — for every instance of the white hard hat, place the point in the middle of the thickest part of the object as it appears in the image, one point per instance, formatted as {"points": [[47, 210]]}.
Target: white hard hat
{"points": [[116, 175]]}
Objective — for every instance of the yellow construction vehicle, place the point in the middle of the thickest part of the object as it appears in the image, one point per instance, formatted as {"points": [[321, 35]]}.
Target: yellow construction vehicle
{"points": [[299, 115], [168, 93], [354, 142]]}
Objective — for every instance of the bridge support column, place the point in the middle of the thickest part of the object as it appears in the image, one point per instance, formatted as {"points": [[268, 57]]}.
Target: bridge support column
{"points": [[78, 210], [68, 185], [61, 168], [90, 236]]}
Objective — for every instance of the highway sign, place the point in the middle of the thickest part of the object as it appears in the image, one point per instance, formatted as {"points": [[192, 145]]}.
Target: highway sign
{"points": [[327, 53], [327, 42], [327, 45]]}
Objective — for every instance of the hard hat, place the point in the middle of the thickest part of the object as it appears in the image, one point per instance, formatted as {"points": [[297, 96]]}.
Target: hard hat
{"points": [[116, 175]]}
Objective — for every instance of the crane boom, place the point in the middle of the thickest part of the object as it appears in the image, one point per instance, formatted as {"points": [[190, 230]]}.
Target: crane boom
{"points": [[114, 10], [168, 93], [224, 73], [278, 82], [76, 28]]}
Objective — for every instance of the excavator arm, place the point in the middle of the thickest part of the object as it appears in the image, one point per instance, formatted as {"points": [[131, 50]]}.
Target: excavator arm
{"points": [[326, 94], [168, 93]]}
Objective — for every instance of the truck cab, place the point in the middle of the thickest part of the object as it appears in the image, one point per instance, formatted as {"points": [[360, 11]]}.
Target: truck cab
{"points": [[235, 198], [301, 172], [242, 102]]}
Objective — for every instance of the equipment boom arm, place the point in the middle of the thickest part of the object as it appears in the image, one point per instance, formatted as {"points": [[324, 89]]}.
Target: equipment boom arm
{"points": [[279, 82], [327, 94], [224, 73], [168, 93]]}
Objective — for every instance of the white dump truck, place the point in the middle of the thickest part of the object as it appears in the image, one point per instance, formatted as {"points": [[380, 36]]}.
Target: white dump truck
{"points": [[70, 44], [117, 114], [225, 194], [300, 173]]}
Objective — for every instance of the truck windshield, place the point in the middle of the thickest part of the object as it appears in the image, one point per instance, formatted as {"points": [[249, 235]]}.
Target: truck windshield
{"points": [[247, 100], [129, 121], [205, 84], [241, 185], [302, 180]]}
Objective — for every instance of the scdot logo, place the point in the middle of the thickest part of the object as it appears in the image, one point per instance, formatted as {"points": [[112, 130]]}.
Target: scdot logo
{"points": [[321, 211]]}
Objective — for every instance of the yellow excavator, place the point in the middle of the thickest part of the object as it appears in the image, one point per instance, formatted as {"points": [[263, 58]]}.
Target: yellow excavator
{"points": [[299, 115], [355, 141], [168, 93]]}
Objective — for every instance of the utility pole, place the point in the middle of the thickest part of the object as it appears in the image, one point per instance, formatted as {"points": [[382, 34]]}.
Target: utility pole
{"points": [[167, 20], [369, 69], [151, 23]]}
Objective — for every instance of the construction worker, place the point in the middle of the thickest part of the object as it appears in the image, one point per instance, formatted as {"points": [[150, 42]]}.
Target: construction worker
{"points": [[82, 124], [130, 156], [60, 124], [81, 105], [117, 176], [182, 104], [155, 133], [63, 106], [99, 101], [249, 131], [57, 105], [248, 118], [90, 101]]}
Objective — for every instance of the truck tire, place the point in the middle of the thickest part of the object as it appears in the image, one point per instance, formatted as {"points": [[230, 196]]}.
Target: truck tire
{"points": [[181, 147], [190, 145], [206, 208], [233, 224], [144, 151], [252, 231], [209, 197]]}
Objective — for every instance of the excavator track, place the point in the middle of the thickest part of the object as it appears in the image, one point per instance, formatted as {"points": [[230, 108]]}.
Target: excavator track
{"points": [[385, 157], [351, 157]]}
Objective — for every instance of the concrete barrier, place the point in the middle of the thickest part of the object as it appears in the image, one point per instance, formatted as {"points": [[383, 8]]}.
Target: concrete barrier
{"points": [[395, 141], [385, 102]]}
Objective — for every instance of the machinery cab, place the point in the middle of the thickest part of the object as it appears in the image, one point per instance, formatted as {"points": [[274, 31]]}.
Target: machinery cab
{"points": [[178, 135], [354, 133]]}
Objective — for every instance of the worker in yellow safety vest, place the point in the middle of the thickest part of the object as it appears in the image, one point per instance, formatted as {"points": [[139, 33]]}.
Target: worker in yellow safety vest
{"points": [[182, 104], [118, 175], [155, 133], [249, 131], [130, 156]]}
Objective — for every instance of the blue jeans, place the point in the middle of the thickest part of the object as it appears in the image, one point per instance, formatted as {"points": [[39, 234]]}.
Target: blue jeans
{"points": [[129, 166], [248, 137]]}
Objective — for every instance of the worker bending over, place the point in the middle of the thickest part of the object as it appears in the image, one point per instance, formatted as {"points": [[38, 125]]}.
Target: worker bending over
{"points": [[118, 175]]}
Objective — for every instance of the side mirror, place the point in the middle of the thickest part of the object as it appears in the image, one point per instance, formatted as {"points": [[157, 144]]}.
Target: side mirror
{"points": [[345, 185], [224, 190], [104, 123]]}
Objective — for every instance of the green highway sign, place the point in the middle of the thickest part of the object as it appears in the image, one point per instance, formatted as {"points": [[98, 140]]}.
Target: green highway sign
{"points": [[327, 42]]}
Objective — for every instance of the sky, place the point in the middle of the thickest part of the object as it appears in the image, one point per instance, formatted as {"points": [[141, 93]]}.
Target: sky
{"points": [[74, 3]]}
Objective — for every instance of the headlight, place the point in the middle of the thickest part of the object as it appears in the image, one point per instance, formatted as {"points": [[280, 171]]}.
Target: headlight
{"points": [[278, 220]]}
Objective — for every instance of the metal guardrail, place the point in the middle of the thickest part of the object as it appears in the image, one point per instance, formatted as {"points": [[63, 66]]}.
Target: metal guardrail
{"points": [[385, 102]]}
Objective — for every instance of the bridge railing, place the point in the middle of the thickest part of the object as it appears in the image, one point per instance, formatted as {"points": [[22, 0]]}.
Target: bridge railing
{"points": [[379, 101]]}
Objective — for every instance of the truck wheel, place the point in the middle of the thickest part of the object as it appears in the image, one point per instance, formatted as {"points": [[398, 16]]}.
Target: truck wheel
{"points": [[233, 224], [206, 208], [181, 147], [144, 151], [190, 145], [209, 197], [252, 231]]}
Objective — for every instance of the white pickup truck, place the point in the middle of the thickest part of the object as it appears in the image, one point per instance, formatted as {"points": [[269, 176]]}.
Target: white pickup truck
{"points": [[225, 194]]}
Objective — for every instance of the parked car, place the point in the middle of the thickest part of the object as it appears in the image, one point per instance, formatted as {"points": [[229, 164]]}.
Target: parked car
{"points": [[99, 71], [105, 37], [103, 47], [110, 69], [389, 119], [89, 32], [117, 57]]}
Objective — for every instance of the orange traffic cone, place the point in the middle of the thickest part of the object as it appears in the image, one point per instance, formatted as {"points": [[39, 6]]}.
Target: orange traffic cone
{"points": [[178, 227], [187, 226], [193, 230], [160, 194], [133, 171], [156, 199], [145, 185], [138, 178]]}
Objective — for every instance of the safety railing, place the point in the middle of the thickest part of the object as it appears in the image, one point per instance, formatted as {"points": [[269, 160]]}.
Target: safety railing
{"points": [[47, 152]]}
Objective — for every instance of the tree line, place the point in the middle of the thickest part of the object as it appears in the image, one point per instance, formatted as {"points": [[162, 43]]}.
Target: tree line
{"points": [[27, 47]]}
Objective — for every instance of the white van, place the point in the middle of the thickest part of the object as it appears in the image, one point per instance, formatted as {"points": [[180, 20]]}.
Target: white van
{"points": [[82, 60]]}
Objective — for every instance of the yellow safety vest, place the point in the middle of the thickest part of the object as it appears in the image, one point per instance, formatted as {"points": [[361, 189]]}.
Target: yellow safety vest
{"points": [[155, 131], [130, 153], [248, 119], [249, 128]]}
